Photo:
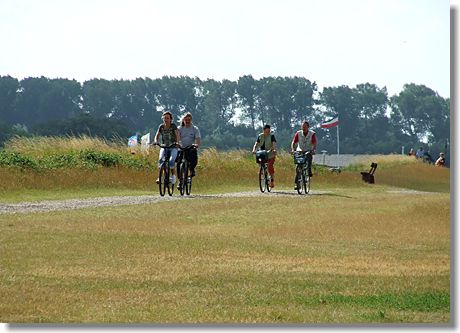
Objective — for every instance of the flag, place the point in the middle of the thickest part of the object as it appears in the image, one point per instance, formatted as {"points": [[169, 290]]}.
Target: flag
{"points": [[132, 141], [331, 122], [145, 140]]}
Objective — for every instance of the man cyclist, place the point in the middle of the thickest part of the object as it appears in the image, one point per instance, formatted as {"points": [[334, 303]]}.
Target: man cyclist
{"points": [[169, 135], [189, 136], [305, 140], [267, 141]]}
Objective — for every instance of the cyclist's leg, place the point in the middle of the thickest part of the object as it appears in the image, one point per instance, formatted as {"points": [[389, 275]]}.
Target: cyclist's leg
{"points": [[172, 161], [192, 158], [271, 170], [180, 156], [295, 177], [309, 160], [161, 158]]}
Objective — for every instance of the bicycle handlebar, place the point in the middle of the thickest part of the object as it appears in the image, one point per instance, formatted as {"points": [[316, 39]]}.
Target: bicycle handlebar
{"points": [[165, 146], [302, 152], [267, 151], [192, 146]]}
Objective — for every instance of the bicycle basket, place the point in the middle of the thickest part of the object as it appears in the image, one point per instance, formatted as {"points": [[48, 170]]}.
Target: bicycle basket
{"points": [[300, 159], [261, 156]]}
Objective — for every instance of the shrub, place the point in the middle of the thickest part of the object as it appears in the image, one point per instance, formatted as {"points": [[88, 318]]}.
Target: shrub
{"points": [[13, 159]]}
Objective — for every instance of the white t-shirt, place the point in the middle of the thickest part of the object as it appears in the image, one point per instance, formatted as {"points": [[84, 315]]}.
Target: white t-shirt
{"points": [[188, 135]]}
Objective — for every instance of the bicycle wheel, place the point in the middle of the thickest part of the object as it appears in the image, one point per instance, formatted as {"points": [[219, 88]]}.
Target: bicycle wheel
{"points": [[170, 184], [298, 178], [306, 183], [188, 180], [164, 180], [182, 178], [267, 179], [262, 182]]}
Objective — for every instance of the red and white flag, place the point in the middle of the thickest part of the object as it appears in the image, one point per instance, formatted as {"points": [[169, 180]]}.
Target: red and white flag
{"points": [[331, 122]]}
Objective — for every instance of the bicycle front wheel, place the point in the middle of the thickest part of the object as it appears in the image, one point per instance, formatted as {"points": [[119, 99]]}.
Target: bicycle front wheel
{"points": [[188, 181], [298, 179], [164, 180], [262, 177]]}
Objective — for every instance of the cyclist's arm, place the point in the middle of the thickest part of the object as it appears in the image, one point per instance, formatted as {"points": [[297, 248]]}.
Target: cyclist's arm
{"points": [[294, 141], [197, 142], [313, 143], [256, 145], [274, 145], [157, 137], [176, 132]]}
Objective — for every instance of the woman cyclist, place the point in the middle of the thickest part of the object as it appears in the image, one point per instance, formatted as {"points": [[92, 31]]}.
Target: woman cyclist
{"points": [[169, 135]]}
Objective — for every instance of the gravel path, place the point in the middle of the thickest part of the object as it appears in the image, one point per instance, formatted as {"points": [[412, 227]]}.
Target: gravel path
{"points": [[54, 205]]}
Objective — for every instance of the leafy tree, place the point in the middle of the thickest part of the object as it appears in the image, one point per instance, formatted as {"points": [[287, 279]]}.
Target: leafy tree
{"points": [[8, 93], [247, 95], [421, 113], [85, 125]]}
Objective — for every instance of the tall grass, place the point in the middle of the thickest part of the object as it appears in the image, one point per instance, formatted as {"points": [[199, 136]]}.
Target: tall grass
{"points": [[63, 163], [42, 145]]}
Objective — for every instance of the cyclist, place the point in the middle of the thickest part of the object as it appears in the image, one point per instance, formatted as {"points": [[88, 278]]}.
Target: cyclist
{"points": [[189, 136], [169, 135], [305, 140], [267, 141]]}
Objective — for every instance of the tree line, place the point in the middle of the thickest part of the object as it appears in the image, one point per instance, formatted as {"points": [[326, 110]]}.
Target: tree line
{"points": [[228, 113]]}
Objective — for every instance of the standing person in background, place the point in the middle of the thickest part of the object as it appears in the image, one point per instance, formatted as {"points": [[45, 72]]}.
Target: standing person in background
{"points": [[420, 153], [190, 136], [441, 161], [169, 134], [267, 141]]}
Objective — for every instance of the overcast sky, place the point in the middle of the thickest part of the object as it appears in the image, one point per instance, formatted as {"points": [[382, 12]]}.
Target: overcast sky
{"points": [[335, 42]]}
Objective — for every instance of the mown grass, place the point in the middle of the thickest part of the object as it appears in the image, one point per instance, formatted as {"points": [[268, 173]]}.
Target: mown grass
{"points": [[343, 256]]}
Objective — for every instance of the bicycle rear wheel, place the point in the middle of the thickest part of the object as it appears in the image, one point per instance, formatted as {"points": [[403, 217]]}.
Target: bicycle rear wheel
{"points": [[262, 179], [267, 179], [182, 178], [306, 183], [164, 180]]}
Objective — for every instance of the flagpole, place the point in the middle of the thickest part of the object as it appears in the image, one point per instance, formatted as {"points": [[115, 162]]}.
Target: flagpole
{"points": [[338, 146]]}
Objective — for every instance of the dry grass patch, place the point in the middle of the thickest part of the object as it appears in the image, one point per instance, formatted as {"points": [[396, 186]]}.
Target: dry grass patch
{"points": [[346, 257]]}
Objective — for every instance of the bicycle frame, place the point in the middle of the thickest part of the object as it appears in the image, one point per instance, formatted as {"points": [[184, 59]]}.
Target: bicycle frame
{"points": [[165, 171], [185, 179], [302, 178], [264, 176]]}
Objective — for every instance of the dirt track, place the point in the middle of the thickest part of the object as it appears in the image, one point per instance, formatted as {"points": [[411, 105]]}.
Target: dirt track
{"points": [[54, 205]]}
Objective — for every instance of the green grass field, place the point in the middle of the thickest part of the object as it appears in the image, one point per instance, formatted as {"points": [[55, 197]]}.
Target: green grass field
{"points": [[348, 253]]}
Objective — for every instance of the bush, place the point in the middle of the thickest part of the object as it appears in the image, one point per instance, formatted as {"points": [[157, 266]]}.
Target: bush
{"points": [[12, 159]]}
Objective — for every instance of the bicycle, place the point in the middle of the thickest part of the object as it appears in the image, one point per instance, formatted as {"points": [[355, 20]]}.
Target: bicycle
{"points": [[185, 174], [302, 179], [264, 175], [164, 181]]}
